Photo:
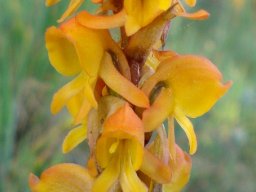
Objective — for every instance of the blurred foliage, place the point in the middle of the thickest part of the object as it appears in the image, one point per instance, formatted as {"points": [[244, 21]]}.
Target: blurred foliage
{"points": [[30, 138]]}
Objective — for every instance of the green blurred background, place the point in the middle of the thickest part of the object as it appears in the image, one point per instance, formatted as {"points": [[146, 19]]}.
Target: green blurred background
{"points": [[30, 137]]}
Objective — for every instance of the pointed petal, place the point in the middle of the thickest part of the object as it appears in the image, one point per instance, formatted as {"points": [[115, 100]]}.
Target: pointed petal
{"points": [[154, 116], [89, 85], [62, 177], [120, 84], [74, 104], [155, 168], [83, 112], [74, 138], [61, 52], [72, 7], [97, 1], [162, 55], [129, 180], [108, 177], [187, 126], [49, 3], [101, 22], [62, 96], [136, 151], [198, 15]]}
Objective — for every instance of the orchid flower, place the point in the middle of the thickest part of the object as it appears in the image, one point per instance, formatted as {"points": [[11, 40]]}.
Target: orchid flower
{"points": [[66, 177], [186, 86], [119, 151]]}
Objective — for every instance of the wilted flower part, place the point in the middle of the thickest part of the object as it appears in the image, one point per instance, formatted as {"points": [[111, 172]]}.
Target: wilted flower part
{"points": [[65, 177], [119, 151], [192, 85]]}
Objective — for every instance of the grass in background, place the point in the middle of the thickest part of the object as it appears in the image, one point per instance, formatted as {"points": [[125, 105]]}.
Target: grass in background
{"points": [[30, 137]]}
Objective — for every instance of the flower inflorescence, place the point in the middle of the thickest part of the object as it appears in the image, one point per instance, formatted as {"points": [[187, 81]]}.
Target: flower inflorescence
{"points": [[121, 94]]}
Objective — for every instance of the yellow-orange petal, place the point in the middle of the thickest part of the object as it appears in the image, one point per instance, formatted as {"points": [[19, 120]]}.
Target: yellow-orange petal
{"points": [[140, 13], [124, 124], [101, 22], [195, 83], [88, 43], [74, 104], [120, 84], [61, 52], [82, 112], [188, 128], [181, 172], [109, 176], [155, 168], [97, 1], [154, 116], [103, 155], [89, 85], [136, 153], [64, 177], [162, 55], [74, 138], [72, 7], [191, 3], [49, 3], [63, 95], [128, 179], [198, 15]]}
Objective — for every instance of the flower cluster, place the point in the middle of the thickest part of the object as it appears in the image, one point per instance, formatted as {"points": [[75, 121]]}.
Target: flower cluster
{"points": [[121, 94]]}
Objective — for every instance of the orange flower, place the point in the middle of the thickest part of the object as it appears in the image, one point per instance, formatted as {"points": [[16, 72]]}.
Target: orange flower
{"points": [[73, 49], [65, 177], [188, 87], [119, 151]]}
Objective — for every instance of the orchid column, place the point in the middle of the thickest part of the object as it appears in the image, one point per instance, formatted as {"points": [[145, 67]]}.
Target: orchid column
{"points": [[121, 94]]}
